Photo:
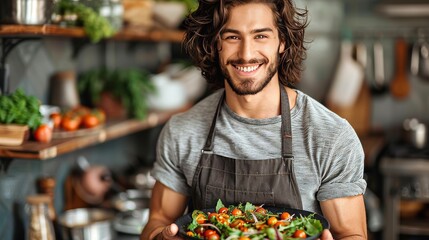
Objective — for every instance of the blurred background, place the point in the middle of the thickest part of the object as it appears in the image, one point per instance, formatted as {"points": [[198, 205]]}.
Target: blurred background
{"points": [[368, 61]]}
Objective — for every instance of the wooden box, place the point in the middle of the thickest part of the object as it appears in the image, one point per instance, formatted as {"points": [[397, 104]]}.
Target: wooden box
{"points": [[13, 134]]}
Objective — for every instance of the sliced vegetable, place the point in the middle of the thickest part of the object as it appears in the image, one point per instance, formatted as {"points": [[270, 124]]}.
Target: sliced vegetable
{"points": [[251, 222]]}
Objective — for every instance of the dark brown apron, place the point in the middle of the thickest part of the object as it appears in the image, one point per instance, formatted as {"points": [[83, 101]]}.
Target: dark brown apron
{"points": [[270, 181]]}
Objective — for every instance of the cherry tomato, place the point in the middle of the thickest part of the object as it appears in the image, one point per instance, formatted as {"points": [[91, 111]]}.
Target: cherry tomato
{"points": [[236, 212], [43, 133], [201, 218], [280, 223], [261, 210], [190, 234], [56, 119], [272, 221], [90, 121], [223, 210], [213, 237], [299, 234], [223, 218], [209, 232], [199, 230], [284, 216], [71, 123], [212, 215], [244, 238]]}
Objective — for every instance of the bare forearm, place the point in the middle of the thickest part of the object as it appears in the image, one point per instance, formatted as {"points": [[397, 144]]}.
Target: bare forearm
{"points": [[352, 237]]}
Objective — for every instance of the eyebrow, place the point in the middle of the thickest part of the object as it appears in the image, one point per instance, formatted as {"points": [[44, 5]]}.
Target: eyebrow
{"points": [[259, 30]]}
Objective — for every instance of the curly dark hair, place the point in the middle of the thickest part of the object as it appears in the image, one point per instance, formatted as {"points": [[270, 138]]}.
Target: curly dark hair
{"points": [[204, 26]]}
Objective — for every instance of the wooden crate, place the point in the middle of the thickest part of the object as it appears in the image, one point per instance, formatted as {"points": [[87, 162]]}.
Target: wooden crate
{"points": [[13, 134]]}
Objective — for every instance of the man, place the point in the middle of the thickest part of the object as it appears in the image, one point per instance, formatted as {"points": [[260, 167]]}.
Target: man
{"points": [[256, 140]]}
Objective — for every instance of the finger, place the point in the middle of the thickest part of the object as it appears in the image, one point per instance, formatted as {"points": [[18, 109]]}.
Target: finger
{"points": [[170, 232], [326, 235]]}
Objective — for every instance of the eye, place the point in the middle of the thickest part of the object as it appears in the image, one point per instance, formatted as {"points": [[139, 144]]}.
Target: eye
{"points": [[260, 36], [231, 37]]}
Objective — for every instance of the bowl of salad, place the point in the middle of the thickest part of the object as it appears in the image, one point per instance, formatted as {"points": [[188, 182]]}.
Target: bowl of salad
{"points": [[251, 222]]}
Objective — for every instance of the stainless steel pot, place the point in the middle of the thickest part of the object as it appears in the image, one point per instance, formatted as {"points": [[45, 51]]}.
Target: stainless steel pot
{"points": [[87, 224], [27, 12], [132, 199]]}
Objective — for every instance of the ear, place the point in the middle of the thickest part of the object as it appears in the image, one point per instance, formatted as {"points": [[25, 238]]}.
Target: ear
{"points": [[282, 47]]}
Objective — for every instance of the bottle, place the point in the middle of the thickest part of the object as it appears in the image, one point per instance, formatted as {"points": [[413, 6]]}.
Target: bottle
{"points": [[40, 226], [46, 185]]}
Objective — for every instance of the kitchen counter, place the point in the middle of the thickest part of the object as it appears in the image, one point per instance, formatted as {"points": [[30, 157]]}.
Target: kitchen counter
{"points": [[405, 178]]}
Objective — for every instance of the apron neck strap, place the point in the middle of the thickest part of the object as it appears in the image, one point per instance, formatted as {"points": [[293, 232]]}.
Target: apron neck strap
{"points": [[208, 147], [286, 124], [286, 129]]}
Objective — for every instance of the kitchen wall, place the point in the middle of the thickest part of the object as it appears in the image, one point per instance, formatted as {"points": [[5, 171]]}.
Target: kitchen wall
{"points": [[329, 20], [32, 62]]}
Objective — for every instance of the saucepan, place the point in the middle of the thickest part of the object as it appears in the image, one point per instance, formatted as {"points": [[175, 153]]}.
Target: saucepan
{"points": [[133, 207], [87, 224], [131, 199], [28, 12]]}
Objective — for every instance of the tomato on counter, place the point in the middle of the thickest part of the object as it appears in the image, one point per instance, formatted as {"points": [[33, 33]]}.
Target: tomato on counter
{"points": [[71, 123], [43, 133], [56, 119], [90, 121]]}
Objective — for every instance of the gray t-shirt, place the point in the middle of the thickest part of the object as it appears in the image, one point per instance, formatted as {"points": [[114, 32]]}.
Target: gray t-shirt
{"points": [[328, 156]]}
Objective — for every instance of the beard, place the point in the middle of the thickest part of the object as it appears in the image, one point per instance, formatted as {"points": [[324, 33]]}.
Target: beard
{"points": [[250, 86]]}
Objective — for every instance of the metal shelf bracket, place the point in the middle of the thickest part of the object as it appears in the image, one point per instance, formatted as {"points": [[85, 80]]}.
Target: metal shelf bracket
{"points": [[7, 45]]}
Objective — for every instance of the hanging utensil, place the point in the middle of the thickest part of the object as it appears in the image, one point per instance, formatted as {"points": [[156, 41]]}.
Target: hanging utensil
{"points": [[347, 80], [420, 59], [379, 83], [400, 87]]}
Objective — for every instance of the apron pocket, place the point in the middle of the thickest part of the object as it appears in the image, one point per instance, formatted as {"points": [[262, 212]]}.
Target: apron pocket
{"points": [[234, 196]]}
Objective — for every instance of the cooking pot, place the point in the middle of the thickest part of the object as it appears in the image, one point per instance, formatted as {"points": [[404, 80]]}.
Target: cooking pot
{"points": [[132, 199], [27, 12], [87, 224]]}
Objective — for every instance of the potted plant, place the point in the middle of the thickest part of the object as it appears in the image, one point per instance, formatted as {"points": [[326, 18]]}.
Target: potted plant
{"points": [[120, 93], [19, 113]]}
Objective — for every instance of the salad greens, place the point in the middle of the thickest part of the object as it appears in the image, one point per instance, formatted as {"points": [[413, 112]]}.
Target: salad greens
{"points": [[250, 222]]}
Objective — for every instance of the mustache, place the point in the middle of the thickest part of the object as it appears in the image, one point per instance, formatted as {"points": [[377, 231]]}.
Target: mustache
{"points": [[251, 61]]}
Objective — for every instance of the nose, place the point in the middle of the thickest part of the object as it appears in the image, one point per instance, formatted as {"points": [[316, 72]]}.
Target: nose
{"points": [[246, 49]]}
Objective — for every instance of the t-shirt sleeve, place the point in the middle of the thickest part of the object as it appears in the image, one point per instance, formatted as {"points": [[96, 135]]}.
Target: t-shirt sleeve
{"points": [[166, 167], [342, 174]]}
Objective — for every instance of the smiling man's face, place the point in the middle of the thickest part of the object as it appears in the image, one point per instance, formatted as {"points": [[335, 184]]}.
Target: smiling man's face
{"points": [[249, 48]]}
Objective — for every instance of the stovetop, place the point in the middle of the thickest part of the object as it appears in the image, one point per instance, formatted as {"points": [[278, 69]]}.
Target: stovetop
{"points": [[404, 150]]}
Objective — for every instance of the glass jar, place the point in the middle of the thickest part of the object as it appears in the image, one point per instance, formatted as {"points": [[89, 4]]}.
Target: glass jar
{"points": [[117, 14], [40, 226]]}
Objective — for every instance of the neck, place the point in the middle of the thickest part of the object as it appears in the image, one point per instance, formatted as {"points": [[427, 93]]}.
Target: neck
{"points": [[265, 104]]}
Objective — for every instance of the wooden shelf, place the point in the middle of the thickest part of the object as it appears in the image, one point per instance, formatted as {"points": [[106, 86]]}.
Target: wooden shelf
{"points": [[128, 34], [112, 130]]}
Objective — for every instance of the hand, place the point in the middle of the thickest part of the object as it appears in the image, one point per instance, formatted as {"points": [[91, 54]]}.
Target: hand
{"points": [[326, 235], [169, 233]]}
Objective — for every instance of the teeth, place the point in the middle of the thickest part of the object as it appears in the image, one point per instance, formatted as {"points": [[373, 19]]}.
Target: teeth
{"points": [[247, 69]]}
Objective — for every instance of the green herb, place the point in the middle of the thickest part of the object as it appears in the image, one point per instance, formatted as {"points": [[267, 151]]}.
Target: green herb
{"points": [[254, 224], [96, 26], [130, 86], [19, 108]]}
